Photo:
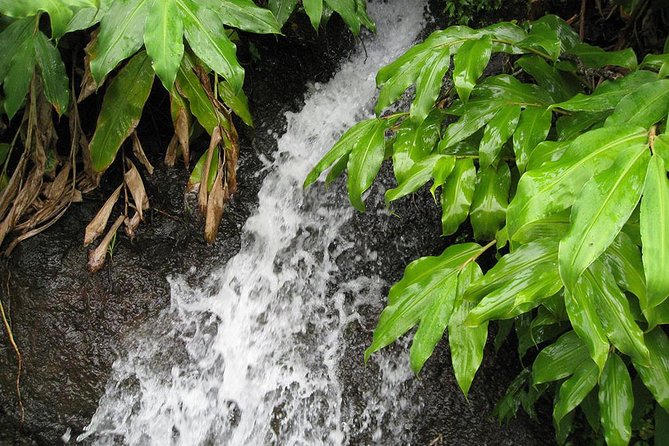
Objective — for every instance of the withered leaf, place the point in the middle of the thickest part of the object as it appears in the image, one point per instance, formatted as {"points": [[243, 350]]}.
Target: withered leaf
{"points": [[216, 137], [99, 222], [215, 205], [131, 225], [182, 132], [96, 257], [171, 153], [139, 153], [134, 182]]}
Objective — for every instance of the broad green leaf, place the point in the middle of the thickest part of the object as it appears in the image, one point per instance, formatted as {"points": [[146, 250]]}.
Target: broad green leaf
{"points": [[497, 133], [507, 90], [552, 227], [237, 101], [413, 143], [655, 232], [505, 35], [469, 63], [345, 145], [543, 39], [614, 312], [442, 170], [207, 38], [59, 12], [54, 78], [244, 15], [314, 9], [196, 175], [11, 39], [163, 39], [365, 161], [532, 129], [336, 170], [282, 9], [121, 36], [347, 10], [17, 80], [491, 198], [645, 106], [476, 115], [457, 194], [365, 19], [87, 17], [545, 152], [544, 327], [604, 205], [616, 401], [428, 84], [419, 174], [557, 83], [658, 62], [554, 187], [581, 307], [574, 390], [572, 126], [655, 374], [565, 34], [560, 359], [595, 57], [466, 343], [424, 281], [200, 104], [121, 110], [623, 259], [661, 148]]}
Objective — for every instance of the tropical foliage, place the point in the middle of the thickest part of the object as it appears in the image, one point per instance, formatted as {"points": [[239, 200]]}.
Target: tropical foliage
{"points": [[561, 166], [189, 45]]}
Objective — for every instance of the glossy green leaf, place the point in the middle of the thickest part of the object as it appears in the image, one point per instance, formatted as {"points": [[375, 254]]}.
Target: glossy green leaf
{"points": [[121, 110], [623, 259], [425, 280], [655, 374], [497, 133], [121, 36], [543, 39], [519, 281], [468, 64], [344, 145], [457, 194], [507, 90], [17, 80], [163, 39], [613, 309], [200, 105], [552, 227], [365, 161], [616, 401], [572, 126], [442, 170], [237, 101], [566, 35], [415, 142], [560, 359], [207, 38], [196, 175], [428, 84], [546, 152], [574, 390], [476, 115], [491, 198], [581, 306], [347, 10], [314, 9], [655, 232], [466, 343], [52, 69], [595, 57], [419, 174], [645, 106], [337, 169], [603, 207], [87, 17], [661, 148], [244, 15], [11, 39], [557, 83], [59, 12], [282, 9], [532, 129]]}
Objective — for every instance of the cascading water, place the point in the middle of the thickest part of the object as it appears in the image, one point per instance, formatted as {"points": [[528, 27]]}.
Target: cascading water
{"points": [[255, 355]]}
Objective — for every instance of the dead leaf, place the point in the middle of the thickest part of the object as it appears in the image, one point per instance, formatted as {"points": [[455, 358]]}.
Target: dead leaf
{"points": [[171, 152], [88, 84], [215, 206], [96, 257], [60, 183], [182, 131], [99, 222], [131, 225], [26, 196], [139, 153], [134, 182], [203, 192]]}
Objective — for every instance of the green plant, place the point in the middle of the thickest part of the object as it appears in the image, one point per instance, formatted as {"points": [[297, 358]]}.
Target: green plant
{"points": [[188, 44], [562, 167]]}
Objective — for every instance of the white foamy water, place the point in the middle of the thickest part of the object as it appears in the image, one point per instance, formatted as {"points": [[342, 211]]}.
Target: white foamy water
{"points": [[256, 356]]}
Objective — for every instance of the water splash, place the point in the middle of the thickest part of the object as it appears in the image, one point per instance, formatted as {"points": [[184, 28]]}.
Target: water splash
{"points": [[255, 355]]}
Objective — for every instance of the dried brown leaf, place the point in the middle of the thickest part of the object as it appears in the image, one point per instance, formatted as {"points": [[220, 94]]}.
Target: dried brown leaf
{"points": [[59, 185], [26, 196], [171, 153], [134, 182], [96, 257], [139, 153], [215, 206], [131, 225], [88, 84], [182, 132], [99, 222], [216, 137]]}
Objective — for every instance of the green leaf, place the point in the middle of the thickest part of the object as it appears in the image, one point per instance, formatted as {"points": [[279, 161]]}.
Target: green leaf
{"points": [[419, 174], [244, 15], [163, 38], [532, 129], [196, 175], [466, 343], [282, 9], [413, 143], [121, 110], [616, 401], [595, 57], [572, 126], [491, 198], [545, 152], [236, 101], [85, 18], [604, 205], [645, 106], [574, 390], [425, 280], [614, 311], [560, 359], [11, 39], [457, 194], [442, 170], [552, 227], [508, 90], [557, 83], [544, 39], [661, 426], [661, 148], [655, 374], [428, 84], [336, 170], [581, 307], [468, 64], [497, 133], [519, 281], [476, 115], [365, 161], [54, 78], [200, 104], [206, 35], [59, 12], [554, 187], [314, 9], [121, 36], [344, 146], [623, 259], [17, 80], [347, 10]]}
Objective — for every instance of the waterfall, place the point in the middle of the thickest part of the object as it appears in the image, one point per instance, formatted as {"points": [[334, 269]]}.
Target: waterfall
{"points": [[255, 355]]}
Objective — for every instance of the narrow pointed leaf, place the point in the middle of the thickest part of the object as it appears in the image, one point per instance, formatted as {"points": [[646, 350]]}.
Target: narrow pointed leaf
{"points": [[491, 198], [616, 401], [346, 9], [282, 9], [497, 133], [456, 195], [560, 359], [469, 63], [532, 129], [645, 106], [237, 101], [314, 9], [365, 161], [442, 170], [17, 81], [554, 81], [11, 38], [54, 78], [595, 57], [428, 85], [574, 390], [244, 15], [163, 38], [656, 375], [419, 174]]}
